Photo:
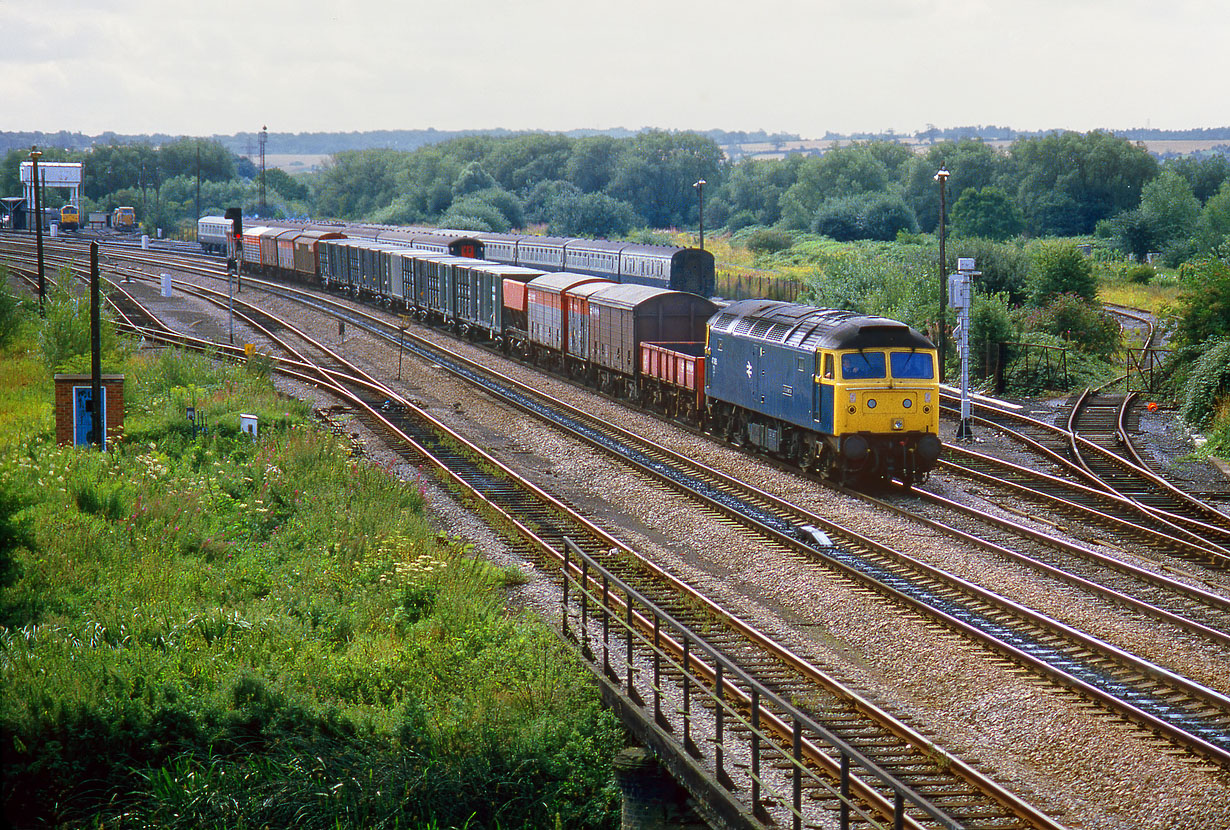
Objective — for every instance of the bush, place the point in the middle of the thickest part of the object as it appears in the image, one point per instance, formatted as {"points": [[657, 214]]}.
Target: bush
{"points": [[64, 339], [1084, 325], [885, 216], [868, 216], [840, 218], [990, 324], [739, 221], [591, 214], [1141, 274], [1203, 308], [1059, 268], [1208, 386], [768, 241], [1004, 266]]}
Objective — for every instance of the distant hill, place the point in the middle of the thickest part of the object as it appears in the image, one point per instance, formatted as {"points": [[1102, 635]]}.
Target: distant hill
{"points": [[247, 144]]}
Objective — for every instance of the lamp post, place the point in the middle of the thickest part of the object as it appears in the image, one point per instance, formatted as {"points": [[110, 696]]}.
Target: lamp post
{"points": [[700, 194], [38, 230], [941, 176]]}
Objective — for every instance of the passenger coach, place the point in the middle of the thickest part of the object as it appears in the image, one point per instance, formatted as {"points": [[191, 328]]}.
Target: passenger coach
{"points": [[213, 233]]}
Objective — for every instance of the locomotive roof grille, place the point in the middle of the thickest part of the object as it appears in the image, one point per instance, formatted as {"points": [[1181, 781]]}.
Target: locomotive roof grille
{"points": [[808, 327]]}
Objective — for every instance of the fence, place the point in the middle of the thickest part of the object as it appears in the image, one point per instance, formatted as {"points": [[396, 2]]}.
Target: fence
{"points": [[739, 285], [754, 741]]}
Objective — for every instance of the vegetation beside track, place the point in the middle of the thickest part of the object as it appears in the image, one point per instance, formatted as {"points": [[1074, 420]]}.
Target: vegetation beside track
{"points": [[199, 630]]}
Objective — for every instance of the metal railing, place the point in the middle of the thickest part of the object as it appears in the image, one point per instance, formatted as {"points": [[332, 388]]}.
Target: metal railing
{"points": [[781, 751]]}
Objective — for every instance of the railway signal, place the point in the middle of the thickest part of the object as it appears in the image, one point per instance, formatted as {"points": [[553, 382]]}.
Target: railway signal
{"points": [[959, 291]]}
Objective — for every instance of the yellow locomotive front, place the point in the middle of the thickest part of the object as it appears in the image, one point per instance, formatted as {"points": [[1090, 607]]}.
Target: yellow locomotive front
{"points": [[70, 219], [885, 409]]}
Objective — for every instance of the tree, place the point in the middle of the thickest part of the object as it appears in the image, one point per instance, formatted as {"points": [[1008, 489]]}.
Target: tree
{"points": [[1068, 182], [473, 178], [591, 214], [1172, 210], [282, 183], [1134, 233], [356, 183], [756, 187], [179, 158], [843, 172], [971, 164], [1205, 175], [522, 161], [988, 213], [592, 162], [543, 196], [656, 172], [493, 209], [1213, 226], [1059, 268]]}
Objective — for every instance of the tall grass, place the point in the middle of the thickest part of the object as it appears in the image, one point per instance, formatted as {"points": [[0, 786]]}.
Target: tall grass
{"points": [[213, 632]]}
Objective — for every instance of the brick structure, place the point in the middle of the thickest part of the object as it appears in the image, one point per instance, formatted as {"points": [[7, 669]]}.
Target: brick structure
{"points": [[114, 394]]}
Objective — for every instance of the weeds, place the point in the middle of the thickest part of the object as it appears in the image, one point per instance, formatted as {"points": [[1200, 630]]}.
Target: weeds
{"points": [[205, 631]]}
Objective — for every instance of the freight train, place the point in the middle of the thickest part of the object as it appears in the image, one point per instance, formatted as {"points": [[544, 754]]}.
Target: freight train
{"points": [[853, 397]]}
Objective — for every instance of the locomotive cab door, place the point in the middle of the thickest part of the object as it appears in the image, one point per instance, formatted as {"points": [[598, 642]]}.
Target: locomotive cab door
{"points": [[825, 391]]}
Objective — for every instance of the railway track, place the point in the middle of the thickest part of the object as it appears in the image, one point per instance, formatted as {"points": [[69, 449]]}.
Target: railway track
{"points": [[1132, 493], [939, 794], [1187, 713], [1044, 642]]}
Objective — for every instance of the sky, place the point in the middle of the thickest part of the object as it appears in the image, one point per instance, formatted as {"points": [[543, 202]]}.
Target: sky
{"points": [[806, 67]]}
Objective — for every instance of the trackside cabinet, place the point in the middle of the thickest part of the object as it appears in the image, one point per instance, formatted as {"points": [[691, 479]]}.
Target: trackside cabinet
{"points": [[74, 415]]}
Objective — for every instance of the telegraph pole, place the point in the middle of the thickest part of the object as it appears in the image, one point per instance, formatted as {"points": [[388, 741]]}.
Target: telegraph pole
{"points": [[38, 231], [99, 432], [263, 138]]}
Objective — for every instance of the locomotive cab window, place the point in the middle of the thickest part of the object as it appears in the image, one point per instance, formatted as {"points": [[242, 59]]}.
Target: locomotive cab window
{"points": [[863, 365], [917, 365], [828, 367]]}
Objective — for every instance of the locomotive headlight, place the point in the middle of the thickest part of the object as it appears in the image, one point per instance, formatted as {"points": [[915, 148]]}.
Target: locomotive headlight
{"points": [[871, 403], [898, 423], [907, 403]]}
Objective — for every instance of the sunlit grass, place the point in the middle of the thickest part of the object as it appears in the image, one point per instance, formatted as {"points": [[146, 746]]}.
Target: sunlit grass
{"points": [[1154, 297], [213, 632]]}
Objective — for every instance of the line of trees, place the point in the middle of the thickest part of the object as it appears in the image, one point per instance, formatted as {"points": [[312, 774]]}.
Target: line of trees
{"points": [[1059, 184]]}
